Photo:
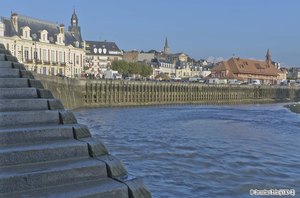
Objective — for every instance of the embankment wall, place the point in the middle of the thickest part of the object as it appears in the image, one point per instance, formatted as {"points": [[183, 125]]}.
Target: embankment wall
{"points": [[75, 93]]}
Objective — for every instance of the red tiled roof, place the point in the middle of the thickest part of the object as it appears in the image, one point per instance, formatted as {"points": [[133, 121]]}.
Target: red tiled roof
{"points": [[247, 66]]}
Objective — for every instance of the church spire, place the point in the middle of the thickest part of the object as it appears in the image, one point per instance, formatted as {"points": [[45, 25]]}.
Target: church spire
{"points": [[166, 43], [166, 47], [268, 57]]}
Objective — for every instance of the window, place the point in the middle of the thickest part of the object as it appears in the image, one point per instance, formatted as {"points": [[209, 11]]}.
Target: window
{"points": [[26, 53], [44, 70], [60, 57], [35, 54], [77, 59], [52, 71], [44, 37], [44, 57], [52, 56]]}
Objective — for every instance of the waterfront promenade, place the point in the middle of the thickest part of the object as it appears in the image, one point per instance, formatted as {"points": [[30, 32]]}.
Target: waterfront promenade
{"points": [[45, 152], [76, 93]]}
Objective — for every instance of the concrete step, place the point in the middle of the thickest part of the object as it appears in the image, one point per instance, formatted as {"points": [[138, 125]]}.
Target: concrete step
{"points": [[36, 134], [48, 151], [9, 73], [30, 104], [41, 175], [2, 57], [13, 82], [11, 58], [5, 51], [6, 64], [11, 65], [23, 104], [20, 118], [11, 93], [101, 188]]}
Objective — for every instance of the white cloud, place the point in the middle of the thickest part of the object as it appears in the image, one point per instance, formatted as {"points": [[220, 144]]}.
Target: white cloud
{"points": [[212, 59]]}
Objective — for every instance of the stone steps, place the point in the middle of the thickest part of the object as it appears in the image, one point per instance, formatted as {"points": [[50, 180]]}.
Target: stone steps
{"points": [[46, 151], [2, 57], [14, 82], [29, 104], [9, 73], [41, 175], [5, 51], [101, 188], [6, 57], [14, 93], [6, 64], [36, 134], [10, 65], [21, 118], [23, 104]]}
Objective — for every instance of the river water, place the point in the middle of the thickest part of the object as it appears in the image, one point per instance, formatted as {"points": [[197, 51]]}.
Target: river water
{"points": [[203, 151]]}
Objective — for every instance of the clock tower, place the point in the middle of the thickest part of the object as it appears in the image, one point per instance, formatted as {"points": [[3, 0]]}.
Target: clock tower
{"points": [[74, 28], [74, 19]]}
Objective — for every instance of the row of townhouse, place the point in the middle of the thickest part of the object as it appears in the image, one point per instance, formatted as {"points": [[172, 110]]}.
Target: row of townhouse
{"points": [[176, 65]]}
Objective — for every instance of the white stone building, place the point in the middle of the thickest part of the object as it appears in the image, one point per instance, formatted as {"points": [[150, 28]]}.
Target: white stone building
{"points": [[44, 47]]}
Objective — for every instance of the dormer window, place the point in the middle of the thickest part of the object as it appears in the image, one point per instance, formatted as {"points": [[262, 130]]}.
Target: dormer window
{"points": [[26, 33], [60, 39], [44, 36]]}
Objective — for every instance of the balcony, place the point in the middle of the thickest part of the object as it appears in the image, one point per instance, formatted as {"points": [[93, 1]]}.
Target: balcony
{"points": [[28, 61]]}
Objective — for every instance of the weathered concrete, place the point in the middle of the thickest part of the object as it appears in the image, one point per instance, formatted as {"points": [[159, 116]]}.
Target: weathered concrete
{"points": [[76, 93], [44, 152]]}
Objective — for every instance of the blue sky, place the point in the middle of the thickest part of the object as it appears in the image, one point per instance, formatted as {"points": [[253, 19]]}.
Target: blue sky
{"points": [[200, 28]]}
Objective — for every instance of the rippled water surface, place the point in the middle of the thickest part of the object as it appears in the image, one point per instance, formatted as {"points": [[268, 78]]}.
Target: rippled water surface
{"points": [[203, 151]]}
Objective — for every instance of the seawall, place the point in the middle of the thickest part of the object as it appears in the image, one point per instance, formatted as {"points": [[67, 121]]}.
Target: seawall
{"points": [[75, 93]]}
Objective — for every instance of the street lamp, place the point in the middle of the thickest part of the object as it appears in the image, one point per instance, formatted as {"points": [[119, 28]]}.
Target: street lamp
{"points": [[34, 36]]}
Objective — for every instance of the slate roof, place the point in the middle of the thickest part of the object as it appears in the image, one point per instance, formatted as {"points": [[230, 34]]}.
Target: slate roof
{"points": [[36, 26], [9, 29], [109, 46]]}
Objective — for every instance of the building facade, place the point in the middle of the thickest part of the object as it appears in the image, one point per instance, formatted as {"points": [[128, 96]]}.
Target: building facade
{"points": [[249, 70], [100, 55], [44, 47]]}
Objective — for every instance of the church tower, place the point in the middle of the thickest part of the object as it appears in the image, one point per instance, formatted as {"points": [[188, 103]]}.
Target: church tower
{"points": [[166, 47], [74, 28], [268, 58]]}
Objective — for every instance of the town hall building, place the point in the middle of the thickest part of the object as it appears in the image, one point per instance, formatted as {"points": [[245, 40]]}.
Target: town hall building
{"points": [[44, 47]]}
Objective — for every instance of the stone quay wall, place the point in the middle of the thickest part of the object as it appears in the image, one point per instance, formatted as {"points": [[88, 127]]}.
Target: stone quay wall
{"points": [[75, 93]]}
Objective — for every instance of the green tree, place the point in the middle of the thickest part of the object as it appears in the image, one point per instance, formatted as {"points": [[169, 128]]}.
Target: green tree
{"points": [[126, 68]]}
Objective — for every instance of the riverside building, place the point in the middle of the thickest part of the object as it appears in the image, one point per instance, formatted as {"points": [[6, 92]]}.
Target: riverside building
{"points": [[100, 55], [247, 70], [44, 47]]}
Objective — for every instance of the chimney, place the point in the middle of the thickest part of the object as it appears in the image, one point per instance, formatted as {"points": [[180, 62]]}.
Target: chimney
{"points": [[14, 20], [62, 28]]}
